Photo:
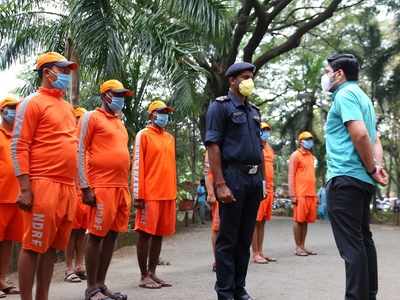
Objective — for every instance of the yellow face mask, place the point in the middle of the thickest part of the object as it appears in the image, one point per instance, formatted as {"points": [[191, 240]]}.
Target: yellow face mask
{"points": [[246, 87]]}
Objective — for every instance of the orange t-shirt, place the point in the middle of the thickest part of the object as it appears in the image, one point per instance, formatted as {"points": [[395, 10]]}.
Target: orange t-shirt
{"points": [[154, 167], [302, 181], [44, 142], [268, 153], [9, 186], [103, 150]]}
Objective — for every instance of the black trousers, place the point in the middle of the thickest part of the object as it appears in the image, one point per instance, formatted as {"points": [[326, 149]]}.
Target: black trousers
{"points": [[349, 212], [237, 222]]}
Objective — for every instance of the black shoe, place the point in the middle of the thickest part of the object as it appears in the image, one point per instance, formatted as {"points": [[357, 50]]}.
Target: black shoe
{"points": [[244, 297]]}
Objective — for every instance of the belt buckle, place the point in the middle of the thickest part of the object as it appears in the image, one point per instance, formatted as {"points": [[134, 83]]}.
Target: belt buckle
{"points": [[253, 170]]}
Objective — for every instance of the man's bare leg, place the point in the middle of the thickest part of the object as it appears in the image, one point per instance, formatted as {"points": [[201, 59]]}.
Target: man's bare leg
{"points": [[5, 259], [257, 243], [80, 249], [106, 255], [27, 263], [70, 252], [298, 236], [143, 246], [45, 273], [305, 230], [154, 255], [92, 259]]}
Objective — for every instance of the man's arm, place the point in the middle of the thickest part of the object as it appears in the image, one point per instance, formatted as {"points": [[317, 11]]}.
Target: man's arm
{"points": [[223, 193], [371, 155], [85, 133], [26, 122], [291, 177], [137, 178]]}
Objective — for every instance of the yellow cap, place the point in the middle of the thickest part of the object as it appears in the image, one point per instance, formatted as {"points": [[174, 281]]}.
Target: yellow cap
{"points": [[79, 112], [57, 59], [8, 101], [305, 135], [115, 86], [265, 125], [159, 105]]}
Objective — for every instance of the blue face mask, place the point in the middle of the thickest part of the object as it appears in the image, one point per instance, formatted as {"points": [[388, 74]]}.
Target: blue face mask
{"points": [[62, 82], [117, 104], [308, 144], [161, 120], [264, 135], [9, 115]]}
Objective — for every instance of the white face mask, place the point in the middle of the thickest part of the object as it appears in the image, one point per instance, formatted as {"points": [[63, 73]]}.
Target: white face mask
{"points": [[326, 83]]}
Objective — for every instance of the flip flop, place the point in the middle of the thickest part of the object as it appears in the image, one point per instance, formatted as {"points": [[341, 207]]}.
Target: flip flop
{"points": [[81, 274], [11, 290], [311, 252], [301, 253], [150, 286], [72, 278], [260, 261], [2, 295], [270, 259]]}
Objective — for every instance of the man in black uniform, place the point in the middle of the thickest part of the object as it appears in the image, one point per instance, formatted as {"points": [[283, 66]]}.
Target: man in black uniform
{"points": [[235, 155]]}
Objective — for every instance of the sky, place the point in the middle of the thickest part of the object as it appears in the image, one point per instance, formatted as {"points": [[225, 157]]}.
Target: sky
{"points": [[9, 80]]}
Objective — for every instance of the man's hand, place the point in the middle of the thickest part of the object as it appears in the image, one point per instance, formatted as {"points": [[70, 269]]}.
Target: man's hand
{"points": [[294, 200], [224, 194], [138, 203], [25, 200], [380, 176], [211, 198], [88, 197]]}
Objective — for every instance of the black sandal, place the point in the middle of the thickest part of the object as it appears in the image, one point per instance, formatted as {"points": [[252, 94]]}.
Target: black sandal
{"points": [[116, 295], [92, 293]]}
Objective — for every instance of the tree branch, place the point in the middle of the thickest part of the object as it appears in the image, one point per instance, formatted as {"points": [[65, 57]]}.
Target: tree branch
{"points": [[240, 31], [294, 40], [264, 20]]}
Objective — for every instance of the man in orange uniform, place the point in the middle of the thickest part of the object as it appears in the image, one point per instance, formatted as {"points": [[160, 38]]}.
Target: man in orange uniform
{"points": [[265, 209], [214, 205], [154, 191], [76, 245], [43, 150], [104, 172], [302, 190], [10, 214]]}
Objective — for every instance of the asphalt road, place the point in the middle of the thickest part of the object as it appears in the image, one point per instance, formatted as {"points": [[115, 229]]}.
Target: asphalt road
{"points": [[291, 278]]}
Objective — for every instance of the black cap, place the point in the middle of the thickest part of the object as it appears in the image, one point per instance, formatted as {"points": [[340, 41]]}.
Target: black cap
{"points": [[238, 68]]}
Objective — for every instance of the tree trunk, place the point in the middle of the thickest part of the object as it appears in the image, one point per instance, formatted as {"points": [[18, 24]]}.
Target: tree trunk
{"points": [[71, 55]]}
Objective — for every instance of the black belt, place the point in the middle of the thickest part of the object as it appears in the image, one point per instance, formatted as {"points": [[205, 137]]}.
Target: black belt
{"points": [[245, 168]]}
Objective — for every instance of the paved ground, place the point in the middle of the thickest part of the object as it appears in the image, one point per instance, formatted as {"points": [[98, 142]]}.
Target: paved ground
{"points": [[291, 278]]}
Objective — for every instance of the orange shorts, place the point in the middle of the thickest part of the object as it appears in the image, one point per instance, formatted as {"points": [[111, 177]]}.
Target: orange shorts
{"points": [[81, 216], [49, 223], [265, 209], [10, 223], [158, 217], [305, 211], [215, 216], [112, 211]]}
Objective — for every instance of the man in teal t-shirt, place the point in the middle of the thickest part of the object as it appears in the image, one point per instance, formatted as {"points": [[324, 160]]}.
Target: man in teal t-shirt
{"points": [[355, 165]]}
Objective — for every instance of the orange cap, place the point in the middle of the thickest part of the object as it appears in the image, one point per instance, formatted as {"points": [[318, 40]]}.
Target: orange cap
{"points": [[8, 101], [57, 59], [305, 135], [79, 112], [265, 125], [115, 86], [159, 105]]}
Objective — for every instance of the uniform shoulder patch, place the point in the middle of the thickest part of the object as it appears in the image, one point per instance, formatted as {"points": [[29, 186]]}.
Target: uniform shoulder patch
{"points": [[222, 98]]}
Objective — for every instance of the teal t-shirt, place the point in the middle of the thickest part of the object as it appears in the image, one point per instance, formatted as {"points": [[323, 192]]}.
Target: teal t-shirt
{"points": [[350, 103]]}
